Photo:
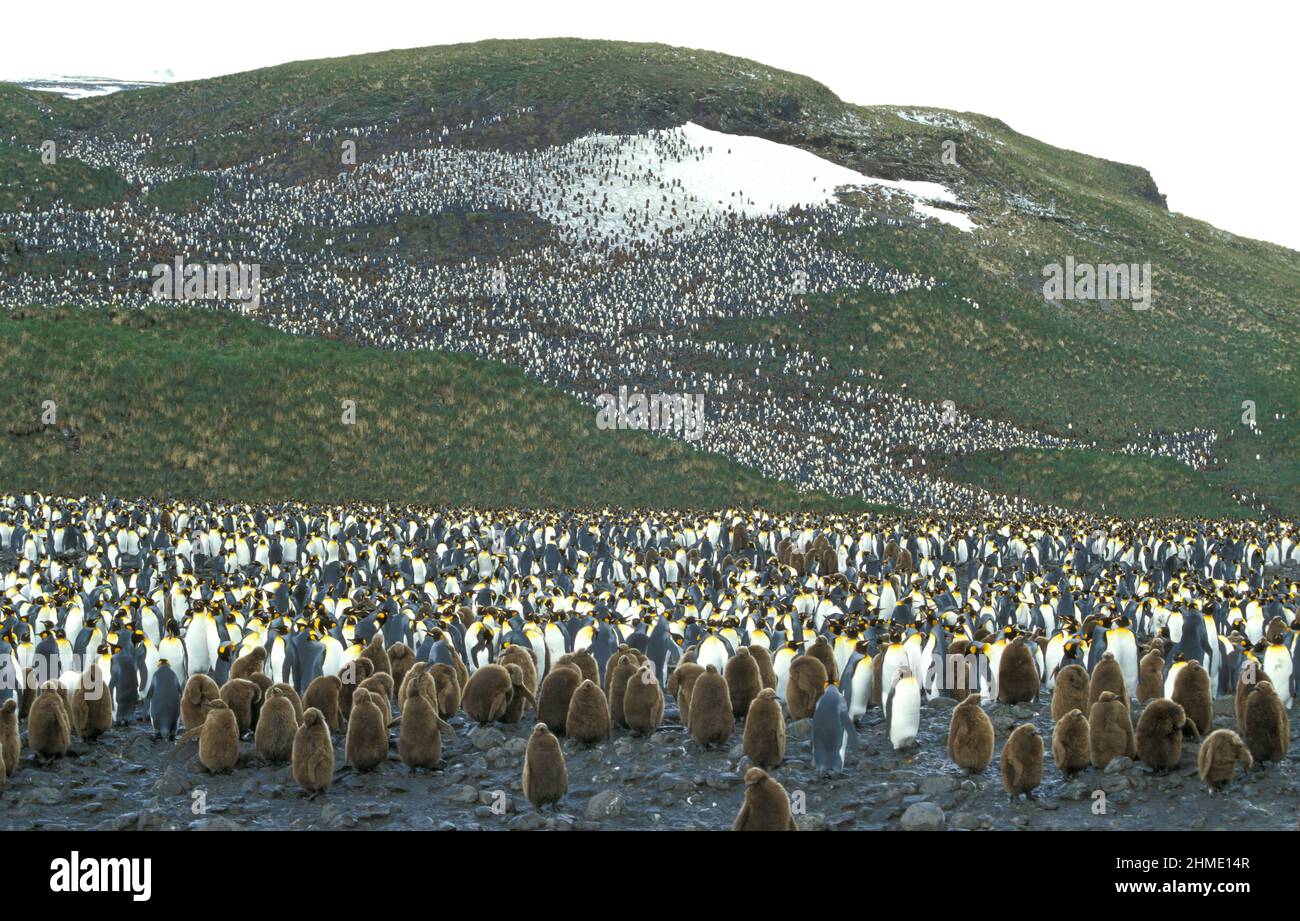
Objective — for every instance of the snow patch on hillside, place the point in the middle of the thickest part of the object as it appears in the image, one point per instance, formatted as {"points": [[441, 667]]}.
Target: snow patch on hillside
{"points": [[935, 119], [952, 218], [683, 180], [81, 87]]}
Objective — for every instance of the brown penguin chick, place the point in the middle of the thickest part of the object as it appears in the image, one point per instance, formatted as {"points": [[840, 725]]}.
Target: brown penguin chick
{"points": [[557, 691], [1071, 691], [413, 673], [643, 701], [218, 737], [380, 684], [1022, 761], [200, 690], [1160, 734], [313, 752], [684, 677], [1267, 728], [449, 689], [323, 696], [48, 729], [248, 665], [527, 662], [1110, 731], [635, 653], [610, 666], [1071, 744], [1192, 691], [276, 726], [419, 742], [67, 700], [743, 681], [378, 655], [1018, 679], [290, 695], [619, 674], [960, 673], [1244, 685], [264, 684], [352, 674], [674, 676], [92, 705], [400, 659], [1151, 677], [804, 686], [763, 659], [11, 743], [522, 693], [766, 806], [588, 719], [462, 670], [366, 743], [1219, 756], [488, 694], [711, 717], [970, 735], [546, 779], [417, 681], [240, 695], [1107, 676], [585, 662], [822, 652], [764, 740]]}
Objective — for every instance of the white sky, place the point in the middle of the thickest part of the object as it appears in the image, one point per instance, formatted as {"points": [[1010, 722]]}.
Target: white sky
{"points": [[1202, 94]]}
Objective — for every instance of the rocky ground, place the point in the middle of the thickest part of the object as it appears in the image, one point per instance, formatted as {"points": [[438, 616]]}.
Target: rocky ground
{"points": [[126, 780]]}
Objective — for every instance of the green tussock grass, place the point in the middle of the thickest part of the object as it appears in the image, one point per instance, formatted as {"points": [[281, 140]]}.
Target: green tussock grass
{"points": [[202, 404], [1136, 487]]}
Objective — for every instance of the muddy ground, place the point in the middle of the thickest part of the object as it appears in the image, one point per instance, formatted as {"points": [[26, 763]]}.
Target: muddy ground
{"points": [[126, 780]]}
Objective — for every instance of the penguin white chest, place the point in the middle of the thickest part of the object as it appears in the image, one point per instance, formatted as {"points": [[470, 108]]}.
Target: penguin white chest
{"points": [[905, 714]]}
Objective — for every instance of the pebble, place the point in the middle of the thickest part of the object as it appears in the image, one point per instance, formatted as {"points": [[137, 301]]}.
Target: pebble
{"points": [[463, 794], [606, 804], [923, 817], [486, 738]]}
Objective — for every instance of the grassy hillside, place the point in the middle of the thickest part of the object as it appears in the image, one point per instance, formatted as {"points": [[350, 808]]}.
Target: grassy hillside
{"points": [[202, 404], [1132, 486], [1224, 326]]}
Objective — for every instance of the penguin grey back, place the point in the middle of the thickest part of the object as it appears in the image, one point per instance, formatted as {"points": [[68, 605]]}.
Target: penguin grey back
{"points": [[832, 730]]}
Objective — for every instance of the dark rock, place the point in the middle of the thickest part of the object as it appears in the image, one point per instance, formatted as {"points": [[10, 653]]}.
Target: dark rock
{"points": [[923, 817], [605, 805]]}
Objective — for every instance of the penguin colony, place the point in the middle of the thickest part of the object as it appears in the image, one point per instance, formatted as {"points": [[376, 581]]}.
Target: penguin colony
{"points": [[339, 639], [610, 292]]}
